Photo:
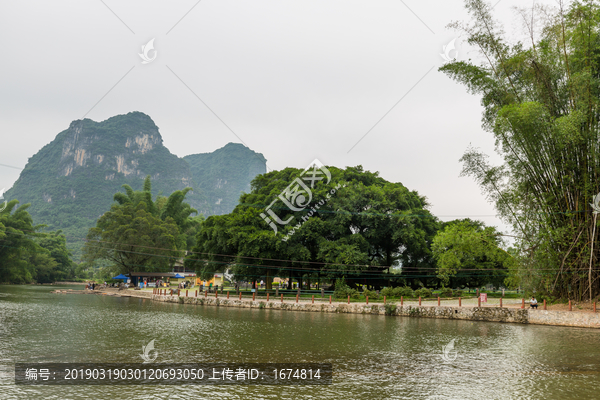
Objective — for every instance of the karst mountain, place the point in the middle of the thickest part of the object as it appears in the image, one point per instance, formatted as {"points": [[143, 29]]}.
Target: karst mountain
{"points": [[71, 181]]}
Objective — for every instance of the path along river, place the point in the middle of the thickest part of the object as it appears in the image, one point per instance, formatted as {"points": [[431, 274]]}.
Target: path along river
{"points": [[374, 357]]}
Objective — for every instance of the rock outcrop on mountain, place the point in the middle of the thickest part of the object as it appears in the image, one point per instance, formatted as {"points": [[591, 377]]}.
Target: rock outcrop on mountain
{"points": [[71, 181]]}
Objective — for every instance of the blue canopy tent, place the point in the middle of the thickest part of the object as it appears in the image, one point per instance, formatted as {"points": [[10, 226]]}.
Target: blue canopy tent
{"points": [[179, 276], [123, 277]]}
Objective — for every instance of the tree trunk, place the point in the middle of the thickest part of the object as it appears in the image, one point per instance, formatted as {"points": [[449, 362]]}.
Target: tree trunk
{"points": [[591, 257]]}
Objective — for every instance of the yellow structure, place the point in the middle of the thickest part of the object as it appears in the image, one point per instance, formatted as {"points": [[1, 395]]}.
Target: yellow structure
{"points": [[217, 280]]}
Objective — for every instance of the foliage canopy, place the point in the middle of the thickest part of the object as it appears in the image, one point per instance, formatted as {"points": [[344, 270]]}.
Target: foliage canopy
{"points": [[26, 253], [541, 103], [469, 255], [355, 227], [142, 234]]}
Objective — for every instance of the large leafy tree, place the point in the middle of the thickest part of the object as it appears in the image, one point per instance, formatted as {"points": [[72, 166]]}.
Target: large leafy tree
{"points": [[469, 254], [133, 240], [142, 234], [357, 226], [541, 102], [55, 246], [17, 234], [163, 207], [393, 224], [28, 255]]}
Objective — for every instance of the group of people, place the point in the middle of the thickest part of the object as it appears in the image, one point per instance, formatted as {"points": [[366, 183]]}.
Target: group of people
{"points": [[185, 285], [188, 285], [210, 288], [157, 283], [92, 285]]}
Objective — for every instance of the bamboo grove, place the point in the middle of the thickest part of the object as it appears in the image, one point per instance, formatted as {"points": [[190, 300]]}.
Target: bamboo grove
{"points": [[541, 103]]}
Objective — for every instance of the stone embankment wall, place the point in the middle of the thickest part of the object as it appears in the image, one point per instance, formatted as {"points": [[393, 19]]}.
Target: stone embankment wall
{"points": [[493, 314]]}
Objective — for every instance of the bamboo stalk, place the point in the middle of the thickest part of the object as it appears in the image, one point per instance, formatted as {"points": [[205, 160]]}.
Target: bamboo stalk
{"points": [[591, 256]]}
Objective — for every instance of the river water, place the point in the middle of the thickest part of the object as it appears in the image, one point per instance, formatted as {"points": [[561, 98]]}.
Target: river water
{"points": [[374, 357]]}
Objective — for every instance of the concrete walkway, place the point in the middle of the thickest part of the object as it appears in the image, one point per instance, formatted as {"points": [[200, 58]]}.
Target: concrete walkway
{"points": [[449, 309]]}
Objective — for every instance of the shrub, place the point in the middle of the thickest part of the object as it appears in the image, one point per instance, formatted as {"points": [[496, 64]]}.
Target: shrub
{"points": [[342, 290], [390, 309], [445, 292], [457, 293], [403, 291], [423, 292], [371, 293], [540, 297], [396, 292]]}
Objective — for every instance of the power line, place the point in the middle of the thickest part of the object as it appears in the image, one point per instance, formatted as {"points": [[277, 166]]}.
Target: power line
{"points": [[11, 166], [308, 270], [236, 256]]}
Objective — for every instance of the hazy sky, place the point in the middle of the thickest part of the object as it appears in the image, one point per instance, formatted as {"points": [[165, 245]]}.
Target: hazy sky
{"points": [[294, 80]]}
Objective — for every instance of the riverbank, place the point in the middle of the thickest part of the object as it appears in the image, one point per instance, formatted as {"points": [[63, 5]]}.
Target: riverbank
{"points": [[509, 313], [492, 314], [107, 292]]}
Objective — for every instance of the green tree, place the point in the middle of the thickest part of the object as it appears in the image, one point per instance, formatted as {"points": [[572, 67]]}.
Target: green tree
{"points": [[541, 103], [27, 255], [55, 244], [46, 269], [237, 241], [141, 234], [357, 226], [17, 234], [388, 223], [133, 239], [173, 207], [469, 254]]}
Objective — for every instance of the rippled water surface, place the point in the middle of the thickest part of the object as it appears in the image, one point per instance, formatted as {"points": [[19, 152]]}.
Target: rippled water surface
{"points": [[374, 357]]}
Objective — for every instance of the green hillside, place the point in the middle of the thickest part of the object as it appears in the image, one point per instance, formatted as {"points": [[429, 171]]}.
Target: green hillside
{"points": [[71, 181], [225, 173]]}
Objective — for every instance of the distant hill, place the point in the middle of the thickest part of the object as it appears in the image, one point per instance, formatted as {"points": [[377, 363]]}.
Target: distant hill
{"points": [[223, 174], [71, 181]]}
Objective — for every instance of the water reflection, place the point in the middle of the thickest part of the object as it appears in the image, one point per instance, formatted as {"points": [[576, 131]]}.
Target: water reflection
{"points": [[374, 356]]}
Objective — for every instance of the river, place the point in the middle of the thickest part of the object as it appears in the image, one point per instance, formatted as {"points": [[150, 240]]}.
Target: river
{"points": [[373, 357]]}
